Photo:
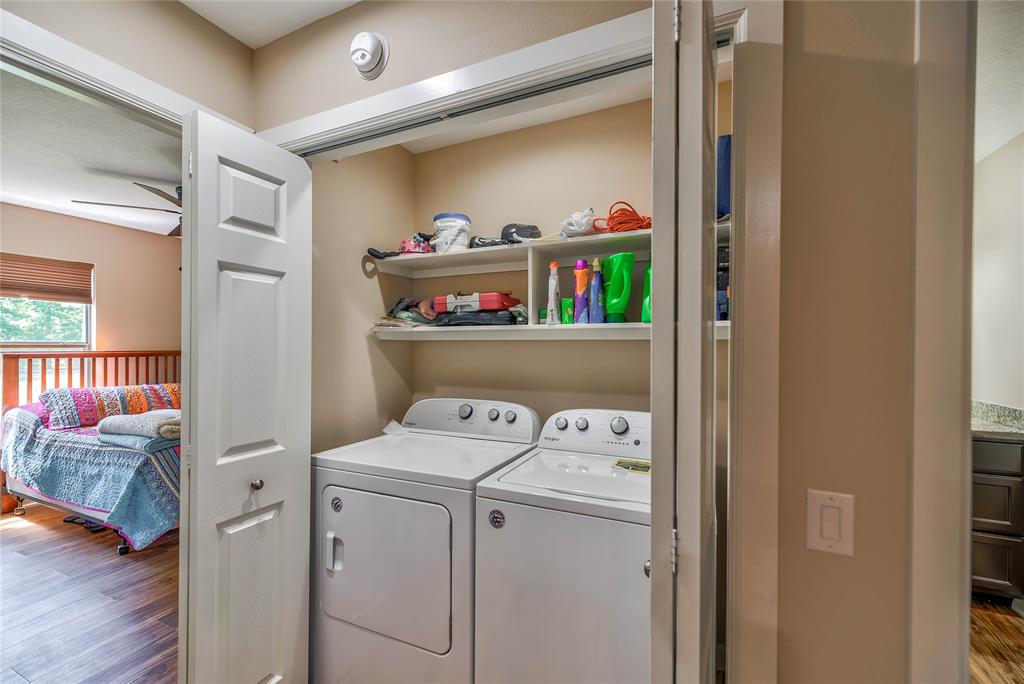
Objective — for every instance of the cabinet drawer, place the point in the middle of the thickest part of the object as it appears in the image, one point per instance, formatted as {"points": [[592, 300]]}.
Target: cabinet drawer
{"points": [[1003, 458], [997, 564], [997, 504]]}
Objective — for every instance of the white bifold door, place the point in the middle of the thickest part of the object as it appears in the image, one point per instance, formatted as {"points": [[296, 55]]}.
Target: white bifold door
{"points": [[246, 327], [682, 346]]}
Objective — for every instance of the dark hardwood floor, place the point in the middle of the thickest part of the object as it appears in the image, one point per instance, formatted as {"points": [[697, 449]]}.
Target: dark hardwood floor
{"points": [[72, 610], [997, 643]]}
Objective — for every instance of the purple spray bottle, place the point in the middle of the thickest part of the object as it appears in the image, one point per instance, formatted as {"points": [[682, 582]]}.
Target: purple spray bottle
{"points": [[597, 294], [582, 310]]}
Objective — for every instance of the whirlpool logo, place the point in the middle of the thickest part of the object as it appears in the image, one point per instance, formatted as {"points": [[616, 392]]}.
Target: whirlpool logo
{"points": [[496, 518]]}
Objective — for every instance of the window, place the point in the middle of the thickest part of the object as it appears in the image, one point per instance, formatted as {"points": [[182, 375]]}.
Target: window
{"points": [[44, 302], [25, 321]]}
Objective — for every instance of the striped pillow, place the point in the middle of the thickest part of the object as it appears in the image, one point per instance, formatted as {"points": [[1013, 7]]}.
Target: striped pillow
{"points": [[86, 406]]}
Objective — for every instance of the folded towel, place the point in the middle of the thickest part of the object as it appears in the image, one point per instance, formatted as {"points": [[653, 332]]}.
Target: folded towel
{"points": [[170, 431], [138, 442], [146, 424]]}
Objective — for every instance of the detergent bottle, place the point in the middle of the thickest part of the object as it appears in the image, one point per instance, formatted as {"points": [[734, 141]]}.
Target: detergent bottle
{"points": [[596, 293], [553, 303], [582, 308], [618, 271]]}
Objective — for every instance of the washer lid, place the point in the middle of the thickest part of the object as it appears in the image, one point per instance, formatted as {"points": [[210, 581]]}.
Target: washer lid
{"points": [[586, 475], [431, 459]]}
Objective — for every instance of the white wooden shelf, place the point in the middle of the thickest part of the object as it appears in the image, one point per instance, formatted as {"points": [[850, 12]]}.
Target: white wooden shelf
{"points": [[514, 257], [599, 331], [583, 331]]}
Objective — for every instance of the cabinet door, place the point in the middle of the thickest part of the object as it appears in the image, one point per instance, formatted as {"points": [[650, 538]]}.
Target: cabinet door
{"points": [[997, 564], [998, 504], [1004, 458]]}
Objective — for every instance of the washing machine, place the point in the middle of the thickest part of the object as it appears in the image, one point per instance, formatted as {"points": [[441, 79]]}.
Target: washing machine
{"points": [[392, 586], [563, 556]]}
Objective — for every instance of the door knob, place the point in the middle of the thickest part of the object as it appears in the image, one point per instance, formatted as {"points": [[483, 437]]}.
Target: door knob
{"points": [[647, 568], [256, 485]]}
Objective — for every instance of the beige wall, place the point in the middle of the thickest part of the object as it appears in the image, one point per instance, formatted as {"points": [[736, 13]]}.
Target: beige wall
{"points": [[359, 382], [137, 282], [163, 41], [541, 174], [845, 402], [460, 33], [536, 175], [997, 374]]}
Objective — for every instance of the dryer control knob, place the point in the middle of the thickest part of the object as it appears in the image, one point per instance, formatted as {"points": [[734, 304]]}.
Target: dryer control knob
{"points": [[465, 411], [493, 414], [561, 423], [510, 416], [619, 425], [582, 424]]}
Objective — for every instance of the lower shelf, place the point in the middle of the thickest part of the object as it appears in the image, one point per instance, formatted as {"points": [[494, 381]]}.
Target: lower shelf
{"points": [[601, 331]]}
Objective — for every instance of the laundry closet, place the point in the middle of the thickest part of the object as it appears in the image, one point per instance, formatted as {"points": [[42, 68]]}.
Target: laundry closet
{"points": [[533, 160]]}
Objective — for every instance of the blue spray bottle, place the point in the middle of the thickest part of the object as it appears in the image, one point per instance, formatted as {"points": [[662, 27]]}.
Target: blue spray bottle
{"points": [[597, 293]]}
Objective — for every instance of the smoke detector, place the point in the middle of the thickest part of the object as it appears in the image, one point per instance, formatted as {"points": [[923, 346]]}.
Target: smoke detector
{"points": [[369, 54]]}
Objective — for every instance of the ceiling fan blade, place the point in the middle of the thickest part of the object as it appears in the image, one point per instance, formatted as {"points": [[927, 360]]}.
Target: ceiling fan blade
{"points": [[159, 193], [126, 206], [176, 232]]}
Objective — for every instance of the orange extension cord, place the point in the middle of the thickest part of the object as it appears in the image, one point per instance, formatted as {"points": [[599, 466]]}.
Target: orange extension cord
{"points": [[623, 219]]}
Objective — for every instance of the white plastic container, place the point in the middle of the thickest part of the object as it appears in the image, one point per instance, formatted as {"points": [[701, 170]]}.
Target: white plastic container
{"points": [[451, 233]]}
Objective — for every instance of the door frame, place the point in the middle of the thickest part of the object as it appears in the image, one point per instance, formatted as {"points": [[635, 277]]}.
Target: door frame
{"points": [[752, 526], [939, 577], [35, 52]]}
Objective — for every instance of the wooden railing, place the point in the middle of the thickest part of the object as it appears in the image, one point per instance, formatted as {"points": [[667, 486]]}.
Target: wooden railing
{"points": [[27, 373]]}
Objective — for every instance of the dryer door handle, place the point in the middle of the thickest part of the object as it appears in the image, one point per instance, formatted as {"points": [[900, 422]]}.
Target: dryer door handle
{"points": [[332, 562]]}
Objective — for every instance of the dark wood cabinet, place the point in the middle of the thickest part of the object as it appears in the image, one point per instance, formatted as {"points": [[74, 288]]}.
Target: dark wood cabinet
{"points": [[997, 507]]}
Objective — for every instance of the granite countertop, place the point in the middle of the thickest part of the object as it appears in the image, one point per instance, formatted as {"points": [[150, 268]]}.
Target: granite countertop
{"points": [[992, 421]]}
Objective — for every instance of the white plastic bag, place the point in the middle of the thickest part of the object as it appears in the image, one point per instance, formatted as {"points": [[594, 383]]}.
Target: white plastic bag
{"points": [[580, 223]]}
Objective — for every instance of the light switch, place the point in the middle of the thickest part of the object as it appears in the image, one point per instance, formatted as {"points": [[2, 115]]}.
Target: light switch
{"points": [[830, 522]]}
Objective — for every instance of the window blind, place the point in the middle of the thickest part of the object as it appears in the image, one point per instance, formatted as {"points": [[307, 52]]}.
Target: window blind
{"points": [[40, 278]]}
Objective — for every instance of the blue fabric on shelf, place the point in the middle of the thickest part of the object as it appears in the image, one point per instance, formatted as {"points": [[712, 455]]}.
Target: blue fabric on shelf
{"points": [[724, 175]]}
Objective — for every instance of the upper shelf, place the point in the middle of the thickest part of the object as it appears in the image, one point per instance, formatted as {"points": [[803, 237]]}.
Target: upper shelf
{"points": [[517, 257], [513, 257]]}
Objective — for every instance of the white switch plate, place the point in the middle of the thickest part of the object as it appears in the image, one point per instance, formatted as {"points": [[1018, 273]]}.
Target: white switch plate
{"points": [[830, 522]]}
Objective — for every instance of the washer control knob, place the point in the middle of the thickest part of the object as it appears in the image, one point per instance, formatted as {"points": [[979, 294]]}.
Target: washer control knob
{"points": [[510, 416], [465, 411], [619, 425], [582, 424], [493, 414], [561, 423]]}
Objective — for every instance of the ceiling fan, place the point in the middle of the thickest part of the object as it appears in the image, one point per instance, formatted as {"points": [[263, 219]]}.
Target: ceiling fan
{"points": [[176, 201]]}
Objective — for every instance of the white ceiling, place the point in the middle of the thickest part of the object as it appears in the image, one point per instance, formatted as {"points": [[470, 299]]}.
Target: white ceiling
{"points": [[56, 146], [999, 103], [258, 22]]}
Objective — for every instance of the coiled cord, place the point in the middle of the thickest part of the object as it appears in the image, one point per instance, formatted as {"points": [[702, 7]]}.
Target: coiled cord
{"points": [[623, 219]]}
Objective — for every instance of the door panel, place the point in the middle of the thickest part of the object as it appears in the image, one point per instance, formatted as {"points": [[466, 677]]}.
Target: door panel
{"points": [[386, 566], [682, 345], [247, 230]]}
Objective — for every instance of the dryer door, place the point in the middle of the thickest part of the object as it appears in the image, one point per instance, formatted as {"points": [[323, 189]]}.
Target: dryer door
{"points": [[385, 565]]}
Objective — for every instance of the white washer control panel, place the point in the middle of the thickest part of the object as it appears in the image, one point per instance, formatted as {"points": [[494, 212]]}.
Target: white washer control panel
{"points": [[495, 420], [599, 431]]}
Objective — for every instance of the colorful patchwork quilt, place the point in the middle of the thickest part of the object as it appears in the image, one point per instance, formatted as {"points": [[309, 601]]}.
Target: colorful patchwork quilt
{"points": [[129, 490]]}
